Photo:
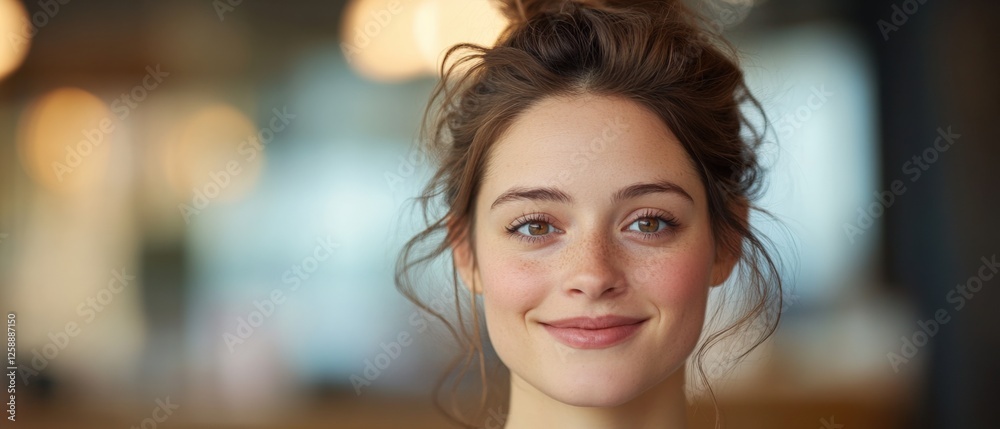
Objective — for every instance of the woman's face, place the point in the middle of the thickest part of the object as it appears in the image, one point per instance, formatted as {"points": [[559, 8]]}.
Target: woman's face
{"points": [[594, 249]]}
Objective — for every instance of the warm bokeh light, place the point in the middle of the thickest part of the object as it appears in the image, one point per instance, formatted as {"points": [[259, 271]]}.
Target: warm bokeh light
{"points": [[394, 40], [377, 39], [13, 25], [442, 24], [213, 155], [64, 139]]}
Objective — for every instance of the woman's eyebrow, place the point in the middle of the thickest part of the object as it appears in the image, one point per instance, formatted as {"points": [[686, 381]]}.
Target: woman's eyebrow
{"points": [[553, 194], [531, 194], [639, 189]]}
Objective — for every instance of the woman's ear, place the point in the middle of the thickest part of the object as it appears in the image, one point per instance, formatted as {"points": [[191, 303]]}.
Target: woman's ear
{"points": [[463, 257], [729, 247]]}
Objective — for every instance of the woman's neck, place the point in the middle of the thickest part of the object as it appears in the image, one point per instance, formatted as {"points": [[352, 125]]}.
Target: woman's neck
{"points": [[661, 407]]}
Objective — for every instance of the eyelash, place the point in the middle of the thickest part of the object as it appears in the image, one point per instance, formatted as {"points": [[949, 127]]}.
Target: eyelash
{"points": [[524, 220], [667, 218], [671, 222]]}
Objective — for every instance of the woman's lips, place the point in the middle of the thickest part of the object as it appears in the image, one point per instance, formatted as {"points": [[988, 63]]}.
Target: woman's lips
{"points": [[593, 333]]}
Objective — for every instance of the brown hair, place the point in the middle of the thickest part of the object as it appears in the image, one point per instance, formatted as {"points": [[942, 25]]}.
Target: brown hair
{"points": [[656, 53]]}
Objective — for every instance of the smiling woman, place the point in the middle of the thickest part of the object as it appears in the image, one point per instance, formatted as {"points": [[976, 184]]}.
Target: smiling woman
{"points": [[592, 263]]}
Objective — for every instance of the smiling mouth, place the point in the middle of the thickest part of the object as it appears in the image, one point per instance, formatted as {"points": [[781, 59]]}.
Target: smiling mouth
{"points": [[594, 333]]}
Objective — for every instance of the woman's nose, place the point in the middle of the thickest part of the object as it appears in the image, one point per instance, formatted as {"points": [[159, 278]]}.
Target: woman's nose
{"points": [[593, 267]]}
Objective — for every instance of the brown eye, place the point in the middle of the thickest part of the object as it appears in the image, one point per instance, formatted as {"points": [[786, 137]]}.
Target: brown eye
{"points": [[534, 228], [538, 228], [648, 224]]}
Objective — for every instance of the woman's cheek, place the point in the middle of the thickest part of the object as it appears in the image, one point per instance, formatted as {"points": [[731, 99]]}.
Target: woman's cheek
{"points": [[512, 283], [510, 290], [677, 278]]}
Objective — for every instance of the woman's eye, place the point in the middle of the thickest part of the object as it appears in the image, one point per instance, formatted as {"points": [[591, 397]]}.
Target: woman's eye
{"points": [[535, 228], [648, 225]]}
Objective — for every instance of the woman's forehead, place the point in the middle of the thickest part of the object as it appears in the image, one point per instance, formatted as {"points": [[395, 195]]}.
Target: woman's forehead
{"points": [[585, 142]]}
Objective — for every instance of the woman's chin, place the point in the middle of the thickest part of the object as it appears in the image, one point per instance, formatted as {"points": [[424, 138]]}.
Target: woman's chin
{"points": [[595, 390], [600, 383], [595, 397]]}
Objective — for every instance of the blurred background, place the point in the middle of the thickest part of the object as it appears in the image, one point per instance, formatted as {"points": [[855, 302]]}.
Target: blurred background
{"points": [[201, 204]]}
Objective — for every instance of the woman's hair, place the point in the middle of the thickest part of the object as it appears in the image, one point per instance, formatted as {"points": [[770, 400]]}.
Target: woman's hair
{"points": [[659, 54]]}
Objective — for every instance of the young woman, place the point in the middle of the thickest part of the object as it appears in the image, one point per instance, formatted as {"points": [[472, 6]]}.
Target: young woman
{"points": [[594, 181]]}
